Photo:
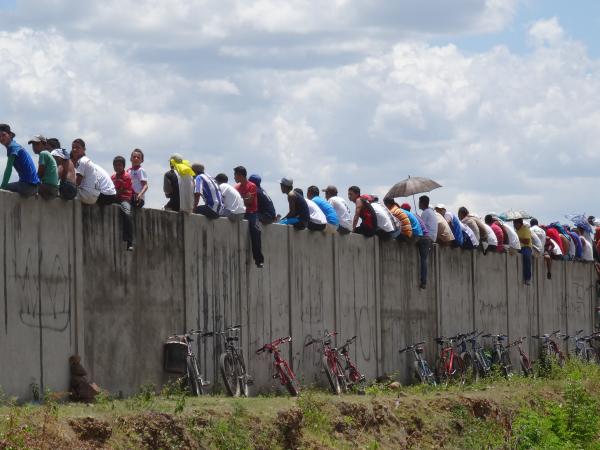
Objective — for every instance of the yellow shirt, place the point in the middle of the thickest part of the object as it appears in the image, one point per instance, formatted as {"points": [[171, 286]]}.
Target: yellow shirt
{"points": [[524, 233]]}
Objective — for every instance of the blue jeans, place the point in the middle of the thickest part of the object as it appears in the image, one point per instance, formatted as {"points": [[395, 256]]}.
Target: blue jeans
{"points": [[424, 244], [526, 252]]}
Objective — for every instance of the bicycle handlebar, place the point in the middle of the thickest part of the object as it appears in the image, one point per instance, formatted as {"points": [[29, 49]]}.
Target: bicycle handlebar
{"points": [[274, 345], [410, 347]]}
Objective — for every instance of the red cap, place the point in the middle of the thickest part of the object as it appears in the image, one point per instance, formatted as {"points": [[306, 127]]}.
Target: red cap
{"points": [[405, 206]]}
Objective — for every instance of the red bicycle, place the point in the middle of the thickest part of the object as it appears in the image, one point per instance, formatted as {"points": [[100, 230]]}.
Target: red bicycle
{"points": [[283, 371], [330, 361], [353, 375], [449, 365]]}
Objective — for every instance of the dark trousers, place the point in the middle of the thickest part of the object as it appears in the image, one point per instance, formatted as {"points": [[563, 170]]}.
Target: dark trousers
{"points": [[104, 199], [126, 212], [254, 227], [526, 252], [316, 226], [424, 244], [206, 211], [365, 231], [67, 190]]}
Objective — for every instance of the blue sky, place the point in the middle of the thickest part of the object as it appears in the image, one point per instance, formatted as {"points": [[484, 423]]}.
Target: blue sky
{"points": [[495, 99]]}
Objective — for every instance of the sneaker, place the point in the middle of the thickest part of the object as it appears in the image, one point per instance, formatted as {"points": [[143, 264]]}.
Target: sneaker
{"points": [[422, 286], [549, 275], [260, 265], [528, 283], [129, 247]]}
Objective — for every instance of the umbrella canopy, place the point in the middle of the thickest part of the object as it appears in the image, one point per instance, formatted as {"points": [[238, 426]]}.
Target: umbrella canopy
{"points": [[411, 186], [511, 214], [580, 220]]}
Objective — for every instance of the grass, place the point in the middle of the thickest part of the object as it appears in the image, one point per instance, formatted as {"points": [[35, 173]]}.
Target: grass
{"points": [[558, 411]]}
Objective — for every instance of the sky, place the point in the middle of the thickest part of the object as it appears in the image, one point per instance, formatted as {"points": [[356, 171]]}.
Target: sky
{"points": [[497, 100]]}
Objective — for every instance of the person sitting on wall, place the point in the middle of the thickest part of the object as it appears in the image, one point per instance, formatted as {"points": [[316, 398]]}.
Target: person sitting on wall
{"points": [[313, 195], [94, 183], [524, 234], [388, 227], [206, 187], [233, 203], [18, 158], [341, 209], [171, 189], [298, 215], [406, 230], [453, 222], [317, 220], [66, 170], [47, 168], [248, 191], [497, 230], [266, 209], [363, 212], [124, 187]]}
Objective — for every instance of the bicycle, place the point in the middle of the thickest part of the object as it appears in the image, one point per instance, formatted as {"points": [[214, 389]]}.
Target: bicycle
{"points": [[283, 370], [331, 363], [352, 374], [583, 349], [500, 356], [449, 363], [231, 364], [475, 362], [179, 358], [524, 360], [551, 351], [423, 372]]}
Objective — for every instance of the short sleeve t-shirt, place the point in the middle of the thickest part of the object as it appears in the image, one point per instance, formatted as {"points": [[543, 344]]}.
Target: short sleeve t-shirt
{"points": [[50, 169], [384, 218], [524, 233], [103, 181], [232, 200], [342, 211], [23, 163], [246, 190], [327, 209], [428, 216], [316, 215], [87, 169], [137, 176]]}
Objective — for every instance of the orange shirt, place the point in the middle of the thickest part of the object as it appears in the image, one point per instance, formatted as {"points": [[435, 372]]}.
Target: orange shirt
{"points": [[402, 217]]}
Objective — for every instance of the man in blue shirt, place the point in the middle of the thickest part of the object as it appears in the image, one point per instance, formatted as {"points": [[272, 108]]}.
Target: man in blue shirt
{"points": [[313, 194], [22, 162]]}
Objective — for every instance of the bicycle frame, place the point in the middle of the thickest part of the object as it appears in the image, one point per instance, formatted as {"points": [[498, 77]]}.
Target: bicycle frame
{"points": [[354, 376], [332, 361], [448, 356], [280, 365], [423, 370], [195, 379]]}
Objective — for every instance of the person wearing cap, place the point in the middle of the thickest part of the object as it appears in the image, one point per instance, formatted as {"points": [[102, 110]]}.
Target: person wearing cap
{"points": [[298, 215], [21, 161], [341, 208], [266, 209], [206, 187], [524, 234], [66, 170], [233, 205], [313, 194], [47, 168], [247, 190]]}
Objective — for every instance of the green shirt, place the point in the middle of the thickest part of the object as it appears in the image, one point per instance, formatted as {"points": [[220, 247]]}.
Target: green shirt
{"points": [[50, 170]]}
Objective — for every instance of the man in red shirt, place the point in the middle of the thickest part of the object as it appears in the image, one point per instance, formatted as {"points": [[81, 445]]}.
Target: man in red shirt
{"points": [[489, 220], [248, 191], [122, 182]]}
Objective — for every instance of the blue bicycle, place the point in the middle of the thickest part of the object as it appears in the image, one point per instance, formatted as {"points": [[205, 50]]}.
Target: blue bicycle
{"points": [[423, 372]]}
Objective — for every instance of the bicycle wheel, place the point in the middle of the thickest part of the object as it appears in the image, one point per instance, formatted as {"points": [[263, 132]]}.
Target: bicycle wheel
{"points": [[334, 384], [243, 376], [288, 379], [590, 356], [560, 358], [229, 373], [470, 368], [343, 382], [441, 372], [193, 377], [483, 364], [506, 365], [526, 366]]}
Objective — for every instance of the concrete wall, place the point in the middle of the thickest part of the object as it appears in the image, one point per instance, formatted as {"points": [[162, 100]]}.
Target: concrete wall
{"points": [[70, 287]]}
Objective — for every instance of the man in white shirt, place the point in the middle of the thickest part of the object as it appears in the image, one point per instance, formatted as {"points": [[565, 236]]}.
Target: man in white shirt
{"points": [[317, 220], [514, 244], [386, 223], [587, 251], [233, 204], [428, 216], [341, 209], [92, 180], [490, 239], [539, 232]]}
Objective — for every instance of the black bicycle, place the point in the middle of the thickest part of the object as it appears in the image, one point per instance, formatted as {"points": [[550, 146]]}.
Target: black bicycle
{"points": [[179, 357], [475, 361], [423, 372], [231, 364], [500, 355]]}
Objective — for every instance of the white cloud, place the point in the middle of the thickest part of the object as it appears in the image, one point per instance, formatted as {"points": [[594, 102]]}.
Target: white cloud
{"points": [[546, 32], [217, 86]]}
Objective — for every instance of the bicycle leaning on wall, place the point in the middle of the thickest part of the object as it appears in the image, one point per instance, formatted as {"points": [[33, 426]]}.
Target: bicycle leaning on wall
{"points": [[231, 364]]}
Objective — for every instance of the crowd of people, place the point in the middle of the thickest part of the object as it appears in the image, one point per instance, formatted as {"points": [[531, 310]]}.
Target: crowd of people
{"points": [[187, 187]]}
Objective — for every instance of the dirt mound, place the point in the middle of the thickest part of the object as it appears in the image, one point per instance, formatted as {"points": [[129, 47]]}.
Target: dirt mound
{"points": [[290, 423], [156, 430], [91, 430]]}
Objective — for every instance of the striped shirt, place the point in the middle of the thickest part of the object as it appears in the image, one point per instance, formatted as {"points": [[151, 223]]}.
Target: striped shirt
{"points": [[405, 226], [207, 187]]}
